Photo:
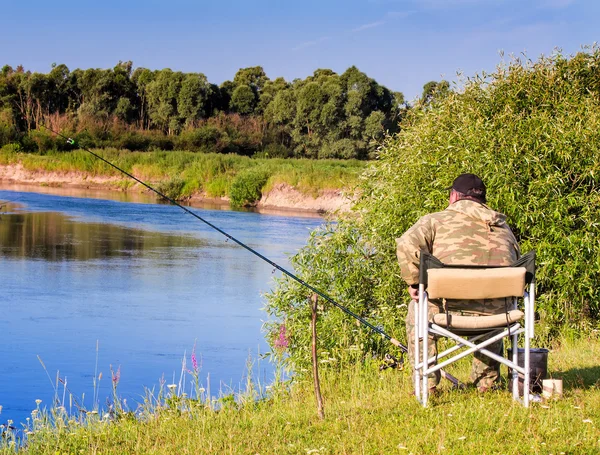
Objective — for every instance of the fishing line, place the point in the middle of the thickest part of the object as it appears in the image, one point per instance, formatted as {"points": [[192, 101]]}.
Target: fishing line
{"points": [[243, 245]]}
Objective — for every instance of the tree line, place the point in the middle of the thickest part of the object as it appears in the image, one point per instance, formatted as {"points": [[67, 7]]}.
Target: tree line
{"points": [[326, 115]]}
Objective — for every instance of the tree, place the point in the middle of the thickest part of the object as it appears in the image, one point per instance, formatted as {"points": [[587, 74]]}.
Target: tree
{"points": [[60, 86], [162, 100], [141, 78], [268, 93], [254, 77], [243, 100], [375, 125], [433, 89], [225, 93], [193, 97]]}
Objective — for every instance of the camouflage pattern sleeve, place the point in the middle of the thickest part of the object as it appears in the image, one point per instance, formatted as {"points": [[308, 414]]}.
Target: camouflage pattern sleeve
{"points": [[408, 247]]}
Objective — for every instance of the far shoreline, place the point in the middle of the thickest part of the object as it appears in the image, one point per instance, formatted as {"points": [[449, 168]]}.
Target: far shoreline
{"points": [[82, 190]]}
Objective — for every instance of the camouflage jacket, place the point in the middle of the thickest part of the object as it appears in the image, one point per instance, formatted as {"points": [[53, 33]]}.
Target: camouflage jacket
{"points": [[467, 232]]}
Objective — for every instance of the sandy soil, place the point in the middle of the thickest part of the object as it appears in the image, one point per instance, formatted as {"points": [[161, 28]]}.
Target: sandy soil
{"points": [[282, 197]]}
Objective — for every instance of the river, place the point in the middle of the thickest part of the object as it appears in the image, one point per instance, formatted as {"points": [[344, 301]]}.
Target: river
{"points": [[91, 283]]}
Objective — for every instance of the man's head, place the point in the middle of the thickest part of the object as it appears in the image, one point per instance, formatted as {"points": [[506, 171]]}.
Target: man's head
{"points": [[467, 186]]}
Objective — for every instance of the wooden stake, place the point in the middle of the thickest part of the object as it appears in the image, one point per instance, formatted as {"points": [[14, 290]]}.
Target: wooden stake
{"points": [[315, 299]]}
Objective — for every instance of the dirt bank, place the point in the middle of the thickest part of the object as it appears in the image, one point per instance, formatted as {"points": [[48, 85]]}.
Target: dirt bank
{"points": [[281, 198]]}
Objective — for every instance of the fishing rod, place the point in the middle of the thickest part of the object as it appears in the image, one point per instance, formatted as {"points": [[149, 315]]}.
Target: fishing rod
{"points": [[320, 293]]}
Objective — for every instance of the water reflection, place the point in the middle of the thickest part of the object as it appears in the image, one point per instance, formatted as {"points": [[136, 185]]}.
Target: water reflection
{"points": [[55, 237]]}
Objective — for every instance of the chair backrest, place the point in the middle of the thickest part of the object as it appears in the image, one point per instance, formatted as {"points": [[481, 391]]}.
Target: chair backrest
{"points": [[468, 284], [428, 262]]}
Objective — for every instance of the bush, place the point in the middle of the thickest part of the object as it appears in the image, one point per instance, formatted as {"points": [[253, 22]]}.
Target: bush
{"points": [[274, 151], [37, 141], [133, 141], [158, 142], [342, 149], [172, 188], [8, 131], [84, 139], [246, 188], [532, 132], [202, 139]]}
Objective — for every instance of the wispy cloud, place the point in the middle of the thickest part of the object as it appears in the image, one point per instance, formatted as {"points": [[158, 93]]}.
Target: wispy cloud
{"points": [[389, 17], [368, 26], [306, 44]]}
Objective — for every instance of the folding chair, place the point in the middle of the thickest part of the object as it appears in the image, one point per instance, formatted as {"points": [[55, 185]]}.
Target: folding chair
{"points": [[464, 282]]}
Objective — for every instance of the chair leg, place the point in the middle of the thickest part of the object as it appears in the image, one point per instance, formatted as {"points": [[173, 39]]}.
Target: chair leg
{"points": [[416, 349], [425, 345], [527, 378], [515, 373]]}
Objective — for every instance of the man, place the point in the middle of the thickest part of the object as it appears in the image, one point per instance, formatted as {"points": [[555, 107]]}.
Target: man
{"points": [[467, 232]]}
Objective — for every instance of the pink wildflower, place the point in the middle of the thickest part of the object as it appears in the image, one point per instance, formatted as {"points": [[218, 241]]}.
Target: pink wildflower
{"points": [[116, 376], [281, 342], [195, 366]]}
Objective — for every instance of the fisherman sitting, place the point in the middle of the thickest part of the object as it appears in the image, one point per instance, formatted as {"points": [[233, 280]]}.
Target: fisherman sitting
{"points": [[467, 232]]}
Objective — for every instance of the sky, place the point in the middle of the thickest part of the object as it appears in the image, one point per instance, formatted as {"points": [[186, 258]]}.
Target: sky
{"points": [[402, 44]]}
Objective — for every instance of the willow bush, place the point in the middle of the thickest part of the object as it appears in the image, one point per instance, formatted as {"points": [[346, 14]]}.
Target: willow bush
{"points": [[531, 130]]}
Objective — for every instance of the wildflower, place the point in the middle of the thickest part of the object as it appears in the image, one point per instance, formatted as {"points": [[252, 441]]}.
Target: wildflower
{"points": [[281, 342], [38, 401], [115, 376], [172, 387], [195, 367]]}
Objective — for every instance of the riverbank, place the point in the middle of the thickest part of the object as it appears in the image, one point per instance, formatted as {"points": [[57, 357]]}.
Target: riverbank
{"points": [[367, 411], [197, 179]]}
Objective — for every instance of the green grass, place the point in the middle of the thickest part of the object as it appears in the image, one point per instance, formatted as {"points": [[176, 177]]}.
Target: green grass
{"points": [[188, 173], [366, 412]]}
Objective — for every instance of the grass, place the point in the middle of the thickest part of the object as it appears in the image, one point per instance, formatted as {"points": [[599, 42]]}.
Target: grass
{"points": [[192, 173], [366, 412]]}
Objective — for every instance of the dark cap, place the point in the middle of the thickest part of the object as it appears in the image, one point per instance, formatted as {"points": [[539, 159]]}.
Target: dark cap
{"points": [[469, 185]]}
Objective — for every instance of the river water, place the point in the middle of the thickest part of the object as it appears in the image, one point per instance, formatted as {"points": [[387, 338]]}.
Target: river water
{"points": [[92, 283]]}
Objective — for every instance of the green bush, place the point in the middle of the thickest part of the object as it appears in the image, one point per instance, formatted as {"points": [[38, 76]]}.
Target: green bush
{"points": [[246, 188], [531, 130], [341, 149], [133, 141], [202, 139], [38, 141], [274, 150], [172, 188], [8, 131]]}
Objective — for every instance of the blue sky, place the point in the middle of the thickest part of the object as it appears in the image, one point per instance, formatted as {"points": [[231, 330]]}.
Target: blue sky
{"points": [[400, 43]]}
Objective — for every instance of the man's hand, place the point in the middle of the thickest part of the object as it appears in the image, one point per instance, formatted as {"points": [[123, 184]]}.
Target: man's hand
{"points": [[413, 290]]}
